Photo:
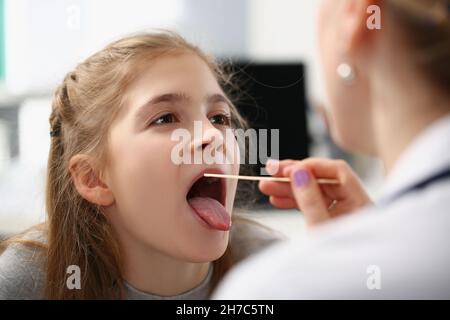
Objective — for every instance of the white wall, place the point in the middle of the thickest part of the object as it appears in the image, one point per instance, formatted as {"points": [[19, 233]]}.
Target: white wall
{"points": [[286, 30], [34, 137], [46, 38], [39, 44]]}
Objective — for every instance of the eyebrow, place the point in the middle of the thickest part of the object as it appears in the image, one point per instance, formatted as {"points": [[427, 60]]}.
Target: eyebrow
{"points": [[177, 97]]}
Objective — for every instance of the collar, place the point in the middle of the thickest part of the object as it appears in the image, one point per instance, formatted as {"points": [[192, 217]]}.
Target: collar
{"points": [[428, 154], [200, 292]]}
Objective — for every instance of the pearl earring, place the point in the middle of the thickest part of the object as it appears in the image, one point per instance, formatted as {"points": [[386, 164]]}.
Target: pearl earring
{"points": [[346, 72]]}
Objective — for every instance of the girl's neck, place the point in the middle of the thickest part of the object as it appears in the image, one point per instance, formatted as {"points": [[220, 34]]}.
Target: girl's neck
{"points": [[153, 272]]}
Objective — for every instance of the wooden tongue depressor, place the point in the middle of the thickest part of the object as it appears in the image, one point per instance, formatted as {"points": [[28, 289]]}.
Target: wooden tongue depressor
{"points": [[259, 178]]}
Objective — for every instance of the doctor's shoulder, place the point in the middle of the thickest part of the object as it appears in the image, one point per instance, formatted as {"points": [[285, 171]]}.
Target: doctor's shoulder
{"points": [[22, 261]]}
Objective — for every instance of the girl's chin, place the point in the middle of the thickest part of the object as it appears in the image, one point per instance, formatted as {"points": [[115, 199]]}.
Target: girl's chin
{"points": [[207, 255]]}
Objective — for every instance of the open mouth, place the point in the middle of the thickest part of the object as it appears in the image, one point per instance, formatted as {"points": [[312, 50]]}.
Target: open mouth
{"points": [[208, 188], [207, 198]]}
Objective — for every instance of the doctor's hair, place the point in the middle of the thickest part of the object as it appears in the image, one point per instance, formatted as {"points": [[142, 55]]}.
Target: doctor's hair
{"points": [[424, 26], [84, 106]]}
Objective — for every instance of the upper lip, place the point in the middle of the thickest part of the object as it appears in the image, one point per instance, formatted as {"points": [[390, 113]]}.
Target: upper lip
{"points": [[222, 182]]}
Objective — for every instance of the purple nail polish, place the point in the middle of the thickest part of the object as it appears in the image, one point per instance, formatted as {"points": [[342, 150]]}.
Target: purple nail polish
{"points": [[301, 178]]}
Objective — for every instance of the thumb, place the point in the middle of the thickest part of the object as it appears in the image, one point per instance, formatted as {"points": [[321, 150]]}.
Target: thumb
{"points": [[308, 196]]}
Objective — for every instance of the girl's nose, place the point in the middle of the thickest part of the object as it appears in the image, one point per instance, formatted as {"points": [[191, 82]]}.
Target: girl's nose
{"points": [[205, 134]]}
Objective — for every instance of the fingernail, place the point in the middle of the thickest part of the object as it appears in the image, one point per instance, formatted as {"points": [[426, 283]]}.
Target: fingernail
{"points": [[301, 178], [272, 166]]}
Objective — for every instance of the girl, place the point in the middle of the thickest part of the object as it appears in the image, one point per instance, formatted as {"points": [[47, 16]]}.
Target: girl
{"points": [[124, 221]]}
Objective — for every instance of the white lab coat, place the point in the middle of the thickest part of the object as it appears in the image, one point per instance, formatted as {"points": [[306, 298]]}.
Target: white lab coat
{"points": [[396, 251]]}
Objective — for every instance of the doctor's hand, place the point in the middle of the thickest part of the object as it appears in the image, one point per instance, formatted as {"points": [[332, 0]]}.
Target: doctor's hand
{"points": [[318, 202]]}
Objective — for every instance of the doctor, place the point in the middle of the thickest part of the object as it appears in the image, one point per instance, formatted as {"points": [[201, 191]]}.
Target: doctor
{"points": [[388, 94]]}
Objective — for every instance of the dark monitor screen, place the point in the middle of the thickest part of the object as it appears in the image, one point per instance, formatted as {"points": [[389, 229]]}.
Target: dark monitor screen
{"points": [[272, 96]]}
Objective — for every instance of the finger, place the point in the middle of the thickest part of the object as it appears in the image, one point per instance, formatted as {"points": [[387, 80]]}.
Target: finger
{"points": [[283, 203], [320, 167], [275, 167], [308, 195], [284, 190], [277, 189], [331, 169], [349, 183], [290, 203]]}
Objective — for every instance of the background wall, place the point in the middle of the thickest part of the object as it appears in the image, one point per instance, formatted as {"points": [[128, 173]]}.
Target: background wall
{"points": [[45, 38]]}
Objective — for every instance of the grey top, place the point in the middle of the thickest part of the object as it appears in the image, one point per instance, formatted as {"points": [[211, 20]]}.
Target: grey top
{"points": [[22, 275], [201, 292]]}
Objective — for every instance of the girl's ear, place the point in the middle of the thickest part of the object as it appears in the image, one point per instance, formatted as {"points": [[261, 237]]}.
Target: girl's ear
{"points": [[87, 182]]}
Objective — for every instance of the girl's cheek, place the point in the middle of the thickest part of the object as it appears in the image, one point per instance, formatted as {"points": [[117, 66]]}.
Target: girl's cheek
{"points": [[233, 155]]}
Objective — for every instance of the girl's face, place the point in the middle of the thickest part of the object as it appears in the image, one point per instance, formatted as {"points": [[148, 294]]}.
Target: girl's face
{"points": [[153, 193]]}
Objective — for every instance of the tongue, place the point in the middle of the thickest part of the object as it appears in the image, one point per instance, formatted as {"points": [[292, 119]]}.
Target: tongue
{"points": [[212, 212]]}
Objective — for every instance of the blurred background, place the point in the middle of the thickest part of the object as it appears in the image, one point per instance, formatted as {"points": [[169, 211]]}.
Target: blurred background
{"points": [[272, 42]]}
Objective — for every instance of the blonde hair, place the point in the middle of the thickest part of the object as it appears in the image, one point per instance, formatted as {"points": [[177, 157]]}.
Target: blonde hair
{"points": [[84, 106]]}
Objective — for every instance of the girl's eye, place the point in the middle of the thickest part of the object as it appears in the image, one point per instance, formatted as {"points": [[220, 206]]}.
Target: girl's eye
{"points": [[167, 118], [221, 119]]}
